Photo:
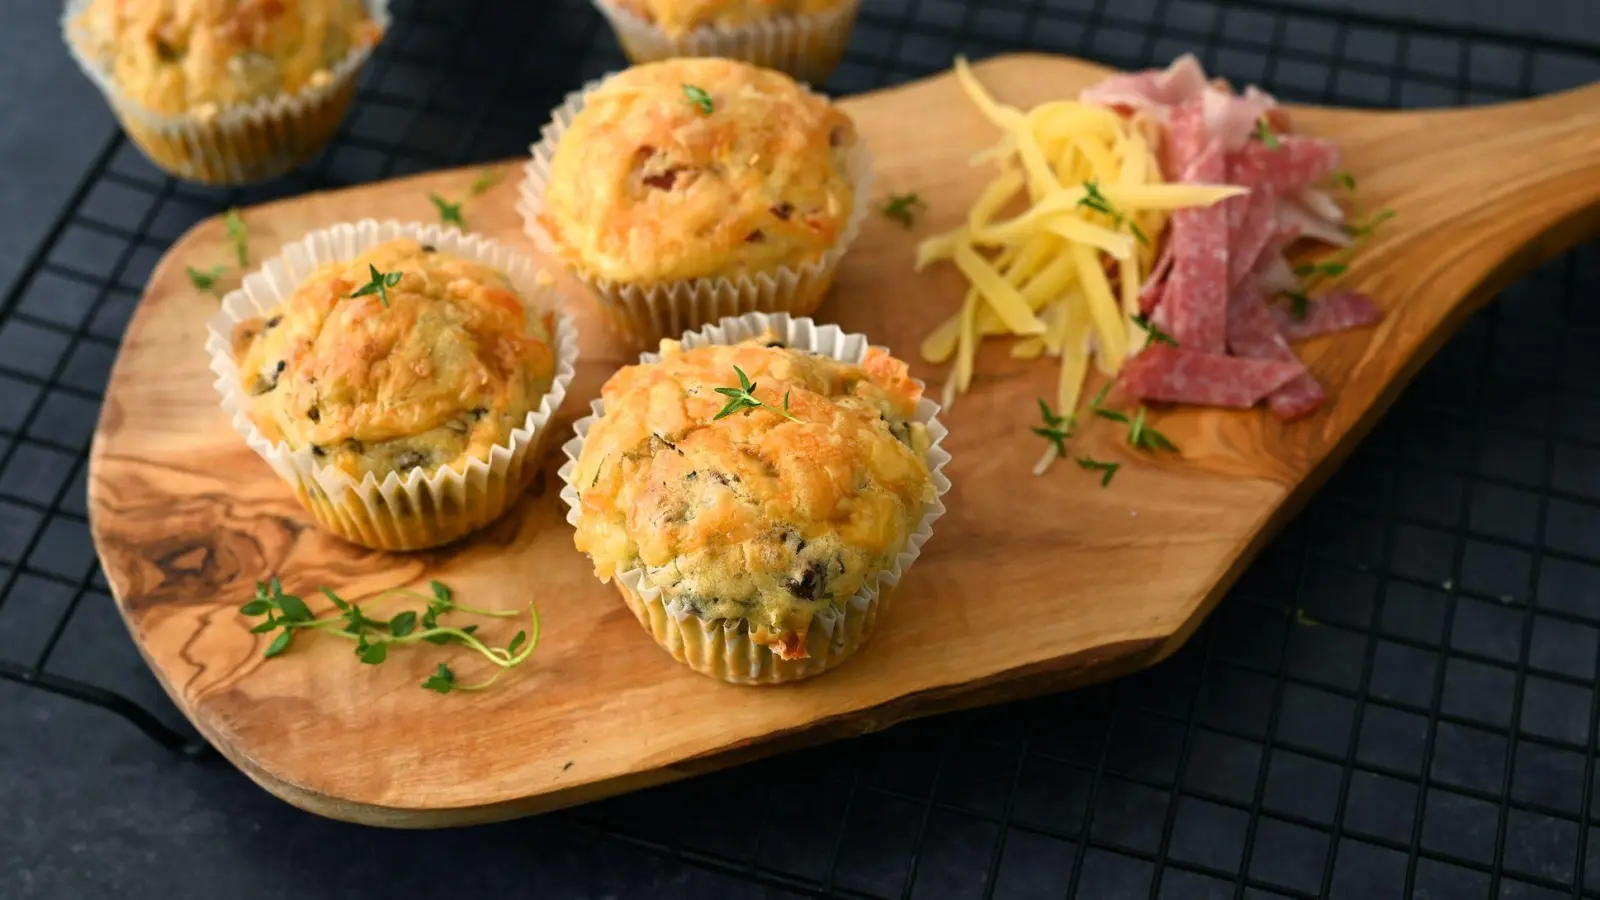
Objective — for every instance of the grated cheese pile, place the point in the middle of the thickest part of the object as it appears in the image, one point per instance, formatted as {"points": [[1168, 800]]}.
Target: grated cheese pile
{"points": [[1063, 276]]}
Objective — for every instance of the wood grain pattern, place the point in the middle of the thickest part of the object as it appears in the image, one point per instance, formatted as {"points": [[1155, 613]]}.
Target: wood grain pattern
{"points": [[1029, 584]]}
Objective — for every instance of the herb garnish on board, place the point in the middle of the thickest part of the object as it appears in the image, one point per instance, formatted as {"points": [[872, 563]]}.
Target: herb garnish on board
{"points": [[289, 615]]}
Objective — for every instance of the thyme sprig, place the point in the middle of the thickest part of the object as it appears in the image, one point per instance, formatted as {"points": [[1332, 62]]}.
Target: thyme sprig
{"points": [[699, 97], [904, 208], [288, 615], [449, 213], [380, 284], [743, 397], [1056, 428], [1094, 200]]}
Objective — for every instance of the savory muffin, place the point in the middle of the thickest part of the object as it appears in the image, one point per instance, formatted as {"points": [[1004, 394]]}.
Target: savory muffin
{"points": [[701, 175], [760, 509], [404, 360], [805, 38], [171, 65], [679, 17]]}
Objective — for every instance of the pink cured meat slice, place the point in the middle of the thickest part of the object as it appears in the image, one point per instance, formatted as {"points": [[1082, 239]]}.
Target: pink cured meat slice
{"points": [[1255, 231], [1154, 287], [1186, 140], [1195, 298], [1176, 375], [1231, 119], [1297, 162], [1338, 311], [1152, 88], [1253, 334]]}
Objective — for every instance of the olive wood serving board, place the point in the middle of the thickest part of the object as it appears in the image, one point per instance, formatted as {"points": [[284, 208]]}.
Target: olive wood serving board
{"points": [[1029, 584]]}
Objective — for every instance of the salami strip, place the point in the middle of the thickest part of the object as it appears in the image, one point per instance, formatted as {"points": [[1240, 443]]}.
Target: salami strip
{"points": [[1297, 162], [1255, 231], [1186, 140], [1196, 295], [1154, 287], [1176, 375], [1230, 119], [1338, 311], [1253, 334], [1150, 89]]}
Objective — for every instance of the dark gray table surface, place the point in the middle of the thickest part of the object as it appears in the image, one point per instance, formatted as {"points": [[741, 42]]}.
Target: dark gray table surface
{"points": [[1398, 697]]}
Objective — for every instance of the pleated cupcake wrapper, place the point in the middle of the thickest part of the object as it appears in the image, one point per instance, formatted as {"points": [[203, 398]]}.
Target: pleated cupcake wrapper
{"points": [[722, 648], [808, 47], [643, 314], [418, 510], [242, 144]]}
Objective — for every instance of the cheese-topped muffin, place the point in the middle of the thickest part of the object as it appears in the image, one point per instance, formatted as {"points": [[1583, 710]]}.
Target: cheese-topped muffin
{"points": [[402, 359], [679, 17], [203, 56], [804, 38], [699, 168], [762, 508], [226, 91]]}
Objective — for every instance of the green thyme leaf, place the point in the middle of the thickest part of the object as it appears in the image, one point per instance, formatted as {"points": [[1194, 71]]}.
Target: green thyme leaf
{"points": [[1299, 305], [442, 681], [205, 281], [234, 223], [904, 208], [1109, 469], [279, 644], [1153, 334], [699, 98], [403, 624], [337, 600], [380, 284], [1264, 133], [255, 607], [449, 213], [294, 609], [486, 179]]}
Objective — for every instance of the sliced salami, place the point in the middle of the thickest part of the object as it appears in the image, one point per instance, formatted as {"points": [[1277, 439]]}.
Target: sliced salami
{"points": [[1196, 294], [1176, 375], [1230, 119], [1293, 213], [1255, 231], [1338, 311], [1296, 162], [1154, 287], [1253, 334], [1150, 89], [1186, 140]]}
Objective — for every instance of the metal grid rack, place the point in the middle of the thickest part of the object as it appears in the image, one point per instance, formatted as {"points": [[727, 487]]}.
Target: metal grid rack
{"points": [[1398, 697]]}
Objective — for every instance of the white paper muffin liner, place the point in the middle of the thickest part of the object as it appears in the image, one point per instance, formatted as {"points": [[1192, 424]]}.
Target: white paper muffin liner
{"points": [[241, 144], [808, 47], [722, 648], [418, 510], [643, 314]]}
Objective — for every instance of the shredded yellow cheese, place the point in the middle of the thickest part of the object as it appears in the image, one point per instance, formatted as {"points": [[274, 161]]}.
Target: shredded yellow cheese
{"points": [[1063, 274]]}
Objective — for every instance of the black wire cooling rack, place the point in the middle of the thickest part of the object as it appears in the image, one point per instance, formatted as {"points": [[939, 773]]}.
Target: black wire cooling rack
{"points": [[1397, 699]]}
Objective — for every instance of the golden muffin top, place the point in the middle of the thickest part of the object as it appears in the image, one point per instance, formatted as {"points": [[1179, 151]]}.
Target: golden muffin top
{"points": [[434, 369], [767, 514], [200, 57], [693, 168], [679, 17]]}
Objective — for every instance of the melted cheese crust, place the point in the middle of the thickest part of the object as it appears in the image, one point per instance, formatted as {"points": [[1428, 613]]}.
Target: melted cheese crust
{"points": [[446, 371], [203, 56], [754, 517], [647, 186], [679, 17]]}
